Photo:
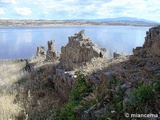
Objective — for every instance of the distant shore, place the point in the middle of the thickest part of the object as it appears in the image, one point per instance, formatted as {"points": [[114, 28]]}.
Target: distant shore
{"points": [[47, 23]]}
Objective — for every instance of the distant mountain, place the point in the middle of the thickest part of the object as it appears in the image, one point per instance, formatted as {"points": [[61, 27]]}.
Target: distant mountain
{"points": [[125, 20]]}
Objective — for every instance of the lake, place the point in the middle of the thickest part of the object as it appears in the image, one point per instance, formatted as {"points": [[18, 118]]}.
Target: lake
{"points": [[21, 42]]}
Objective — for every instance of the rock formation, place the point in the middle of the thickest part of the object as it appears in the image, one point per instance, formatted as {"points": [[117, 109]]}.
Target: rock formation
{"points": [[79, 50], [150, 48], [117, 54], [41, 52], [120, 77], [51, 53], [51, 45]]}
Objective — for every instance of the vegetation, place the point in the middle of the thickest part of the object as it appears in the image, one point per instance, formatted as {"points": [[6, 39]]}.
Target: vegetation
{"points": [[23, 96], [76, 101], [10, 72], [27, 97], [140, 100], [144, 97]]}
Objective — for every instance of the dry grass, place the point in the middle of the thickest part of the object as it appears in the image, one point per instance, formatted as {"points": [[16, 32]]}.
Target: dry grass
{"points": [[25, 96], [9, 110], [10, 72], [36, 96]]}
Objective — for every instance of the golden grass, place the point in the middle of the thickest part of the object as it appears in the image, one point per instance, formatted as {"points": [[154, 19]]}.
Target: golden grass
{"points": [[9, 110], [10, 72], [35, 95]]}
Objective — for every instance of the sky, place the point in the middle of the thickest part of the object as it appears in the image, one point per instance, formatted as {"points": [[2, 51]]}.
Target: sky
{"points": [[79, 9]]}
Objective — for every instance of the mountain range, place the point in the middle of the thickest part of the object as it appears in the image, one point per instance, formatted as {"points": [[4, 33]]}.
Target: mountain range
{"points": [[125, 20]]}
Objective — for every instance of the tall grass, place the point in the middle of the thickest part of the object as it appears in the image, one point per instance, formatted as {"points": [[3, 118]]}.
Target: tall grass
{"points": [[35, 94], [10, 72]]}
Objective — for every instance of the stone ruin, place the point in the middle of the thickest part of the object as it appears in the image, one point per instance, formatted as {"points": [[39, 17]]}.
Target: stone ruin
{"points": [[41, 52], [150, 51], [51, 53], [79, 50]]}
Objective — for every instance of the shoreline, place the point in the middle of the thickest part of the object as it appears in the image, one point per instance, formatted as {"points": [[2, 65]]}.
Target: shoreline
{"points": [[56, 23], [73, 25]]}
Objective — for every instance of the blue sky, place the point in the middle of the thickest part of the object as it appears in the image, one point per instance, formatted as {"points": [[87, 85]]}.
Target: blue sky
{"points": [[79, 9]]}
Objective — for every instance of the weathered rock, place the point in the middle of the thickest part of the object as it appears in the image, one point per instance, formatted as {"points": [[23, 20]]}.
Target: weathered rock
{"points": [[41, 52], [149, 53], [151, 46], [51, 53], [79, 49], [116, 55], [156, 46], [51, 45], [137, 50], [133, 58]]}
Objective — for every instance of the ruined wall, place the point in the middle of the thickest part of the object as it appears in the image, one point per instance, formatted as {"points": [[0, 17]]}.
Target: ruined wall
{"points": [[79, 49]]}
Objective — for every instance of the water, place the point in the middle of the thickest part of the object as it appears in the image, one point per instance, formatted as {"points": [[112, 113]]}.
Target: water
{"points": [[21, 42]]}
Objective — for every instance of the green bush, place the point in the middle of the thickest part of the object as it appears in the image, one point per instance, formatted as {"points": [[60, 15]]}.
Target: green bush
{"points": [[76, 96], [144, 96]]}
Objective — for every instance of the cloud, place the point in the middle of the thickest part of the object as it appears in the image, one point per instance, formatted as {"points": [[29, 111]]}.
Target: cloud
{"points": [[8, 2], [23, 11], [78, 9], [2, 12]]}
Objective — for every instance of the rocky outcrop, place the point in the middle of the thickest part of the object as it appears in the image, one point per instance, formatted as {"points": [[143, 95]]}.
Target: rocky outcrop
{"points": [[79, 50], [117, 54], [51, 53], [117, 78], [151, 47], [41, 52]]}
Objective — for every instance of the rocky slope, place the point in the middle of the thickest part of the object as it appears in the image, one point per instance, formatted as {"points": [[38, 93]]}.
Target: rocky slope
{"points": [[93, 87]]}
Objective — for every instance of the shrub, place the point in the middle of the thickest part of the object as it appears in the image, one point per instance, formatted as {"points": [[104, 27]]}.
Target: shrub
{"points": [[76, 96], [144, 97]]}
